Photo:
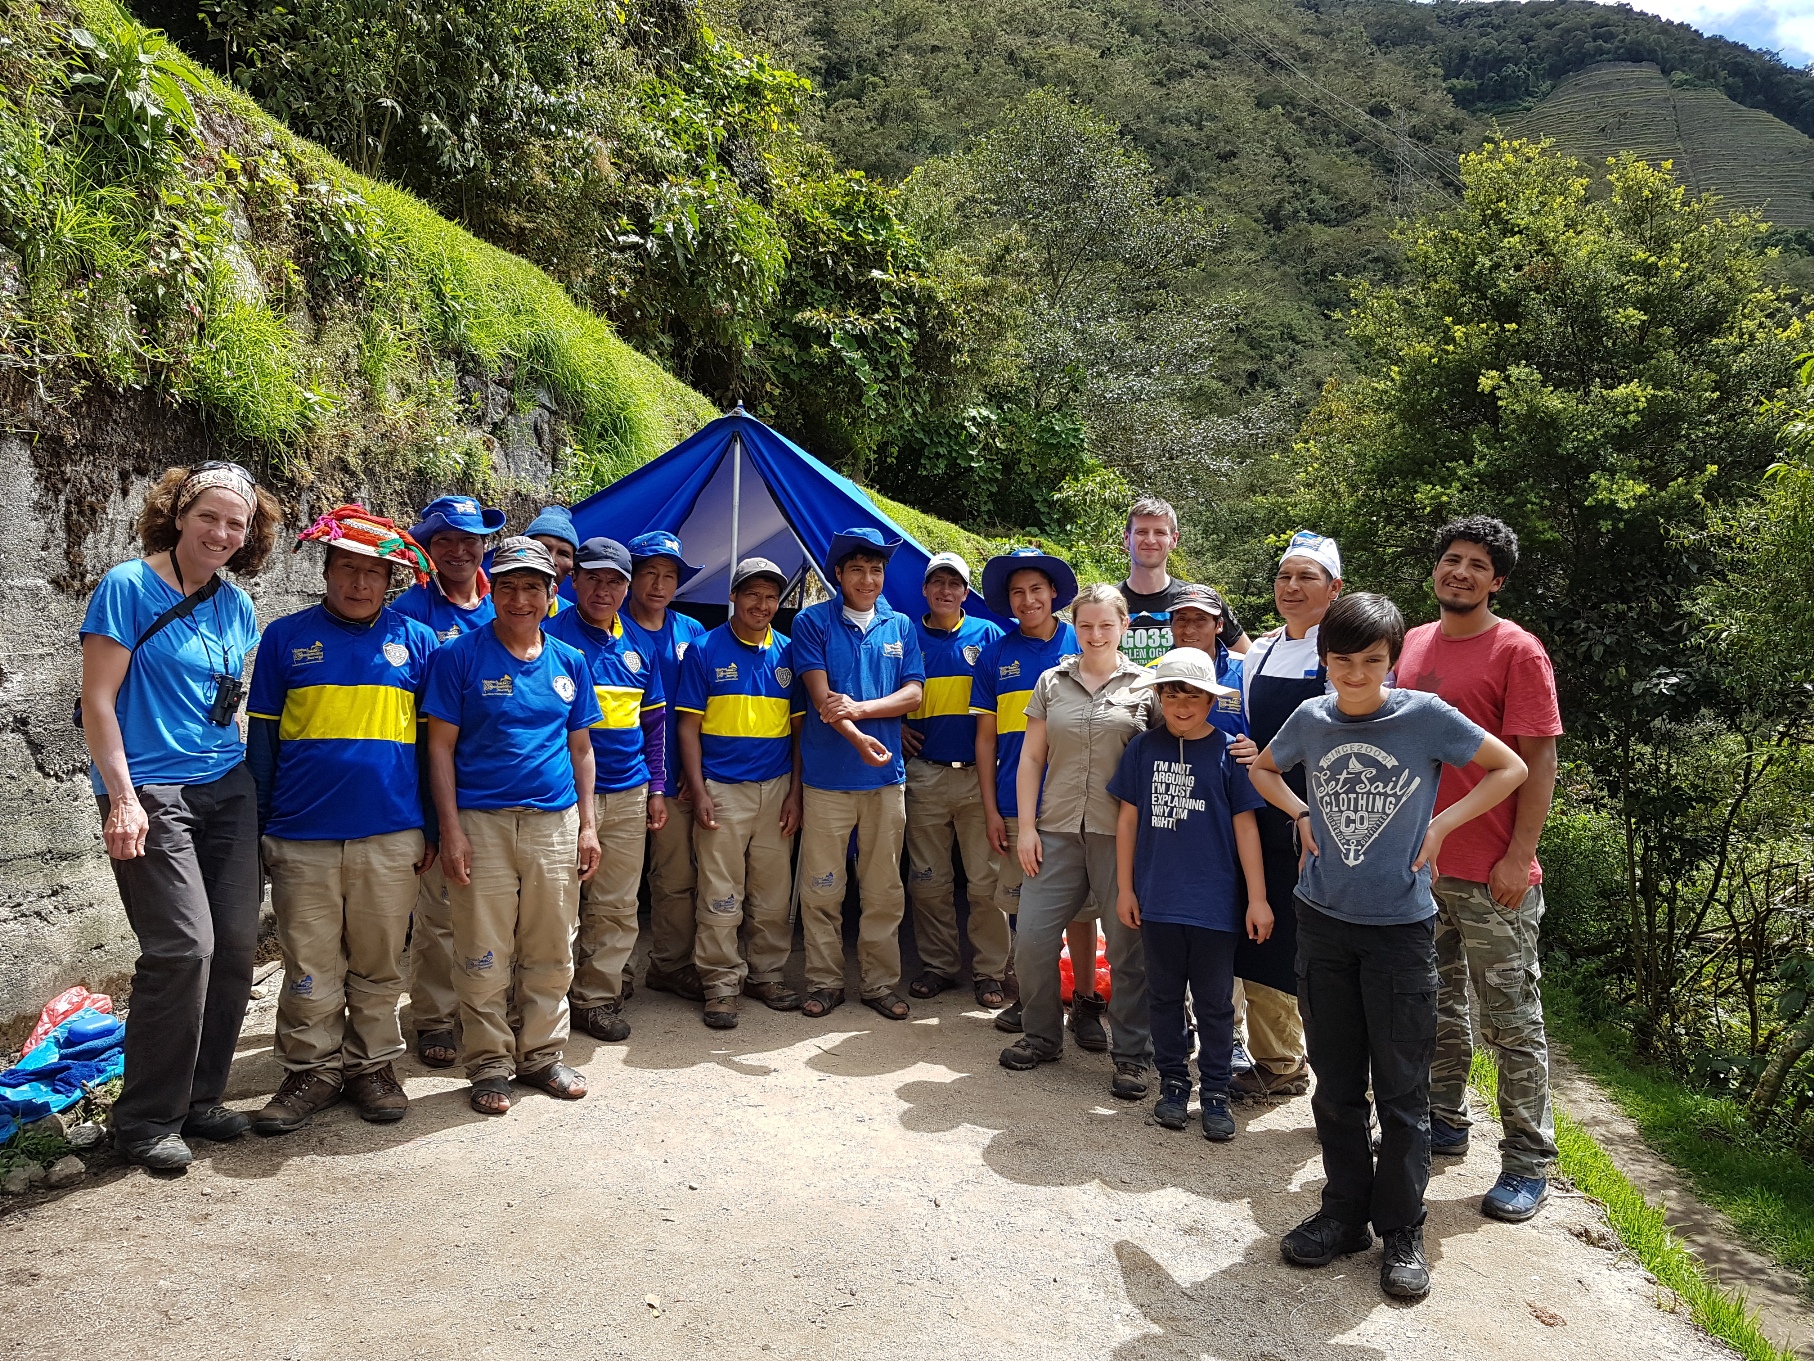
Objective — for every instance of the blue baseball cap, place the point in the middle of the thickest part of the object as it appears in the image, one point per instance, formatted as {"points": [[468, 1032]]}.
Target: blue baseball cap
{"points": [[600, 554], [1000, 570], [860, 540], [460, 513], [658, 543], [555, 523]]}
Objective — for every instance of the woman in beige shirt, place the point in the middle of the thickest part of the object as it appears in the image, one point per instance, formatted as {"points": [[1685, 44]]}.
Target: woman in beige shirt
{"points": [[1081, 717]]}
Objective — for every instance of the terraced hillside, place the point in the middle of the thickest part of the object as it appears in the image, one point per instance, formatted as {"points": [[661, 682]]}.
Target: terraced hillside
{"points": [[1745, 155]]}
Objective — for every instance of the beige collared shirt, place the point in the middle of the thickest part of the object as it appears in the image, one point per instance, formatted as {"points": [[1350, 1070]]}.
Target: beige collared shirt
{"points": [[1085, 736]]}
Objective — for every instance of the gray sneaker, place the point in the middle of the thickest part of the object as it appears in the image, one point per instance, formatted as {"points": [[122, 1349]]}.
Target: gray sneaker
{"points": [[166, 1153]]}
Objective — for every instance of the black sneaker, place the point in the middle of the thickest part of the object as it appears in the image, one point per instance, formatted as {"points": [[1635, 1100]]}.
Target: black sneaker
{"points": [[1129, 1082], [1404, 1272], [1172, 1109], [166, 1153], [1007, 1020], [1023, 1054], [1320, 1239], [1218, 1124], [1446, 1140], [217, 1123]]}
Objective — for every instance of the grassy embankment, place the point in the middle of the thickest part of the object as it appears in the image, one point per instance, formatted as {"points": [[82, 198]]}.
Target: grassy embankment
{"points": [[1643, 1229]]}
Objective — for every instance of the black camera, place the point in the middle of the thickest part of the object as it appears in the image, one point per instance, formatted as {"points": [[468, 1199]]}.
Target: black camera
{"points": [[228, 692]]}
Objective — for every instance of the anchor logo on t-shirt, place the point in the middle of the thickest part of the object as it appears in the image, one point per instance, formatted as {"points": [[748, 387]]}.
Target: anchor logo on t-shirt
{"points": [[1358, 793]]}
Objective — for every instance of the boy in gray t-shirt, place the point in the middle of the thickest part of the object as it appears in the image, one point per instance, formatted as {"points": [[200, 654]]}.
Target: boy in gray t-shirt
{"points": [[1366, 961]]}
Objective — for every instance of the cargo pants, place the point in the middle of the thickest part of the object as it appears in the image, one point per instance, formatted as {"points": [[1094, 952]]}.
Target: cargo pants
{"points": [[745, 925], [607, 901], [342, 910], [879, 817], [944, 802], [1494, 948]]}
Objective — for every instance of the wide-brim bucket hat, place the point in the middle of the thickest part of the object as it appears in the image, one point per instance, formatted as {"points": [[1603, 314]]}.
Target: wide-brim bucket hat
{"points": [[459, 513], [999, 570], [659, 543]]}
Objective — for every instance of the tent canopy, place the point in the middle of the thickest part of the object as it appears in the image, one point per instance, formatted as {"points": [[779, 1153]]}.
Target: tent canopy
{"points": [[788, 507]]}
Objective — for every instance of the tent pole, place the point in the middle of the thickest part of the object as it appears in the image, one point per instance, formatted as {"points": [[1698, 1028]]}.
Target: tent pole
{"points": [[736, 500]]}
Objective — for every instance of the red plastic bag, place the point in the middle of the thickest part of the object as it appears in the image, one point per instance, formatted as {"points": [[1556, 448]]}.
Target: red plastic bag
{"points": [[60, 1008], [1066, 981]]}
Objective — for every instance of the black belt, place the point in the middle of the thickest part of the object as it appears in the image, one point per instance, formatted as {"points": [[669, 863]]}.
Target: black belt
{"points": [[948, 765]]}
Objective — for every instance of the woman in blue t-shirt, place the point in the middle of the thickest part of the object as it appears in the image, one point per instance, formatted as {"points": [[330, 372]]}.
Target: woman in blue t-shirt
{"points": [[164, 647]]}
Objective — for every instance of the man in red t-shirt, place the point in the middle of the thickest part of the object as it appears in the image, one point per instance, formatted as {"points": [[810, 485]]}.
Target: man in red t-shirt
{"points": [[1489, 887]]}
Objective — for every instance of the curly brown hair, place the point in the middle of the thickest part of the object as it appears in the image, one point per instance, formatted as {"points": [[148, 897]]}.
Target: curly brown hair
{"points": [[158, 532]]}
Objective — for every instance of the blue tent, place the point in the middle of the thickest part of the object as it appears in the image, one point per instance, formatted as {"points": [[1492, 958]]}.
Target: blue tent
{"points": [[788, 505]]}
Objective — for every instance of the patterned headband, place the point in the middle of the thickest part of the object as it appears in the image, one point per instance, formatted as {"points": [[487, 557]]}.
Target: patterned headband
{"points": [[357, 530], [226, 479]]}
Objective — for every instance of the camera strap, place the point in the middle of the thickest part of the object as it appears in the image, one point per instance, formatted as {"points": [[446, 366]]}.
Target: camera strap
{"points": [[181, 610]]}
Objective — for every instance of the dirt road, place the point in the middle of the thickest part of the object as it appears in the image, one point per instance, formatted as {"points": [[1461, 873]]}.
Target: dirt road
{"points": [[848, 1187]]}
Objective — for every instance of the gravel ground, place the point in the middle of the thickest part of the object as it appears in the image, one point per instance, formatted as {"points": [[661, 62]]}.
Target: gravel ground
{"points": [[841, 1187]]}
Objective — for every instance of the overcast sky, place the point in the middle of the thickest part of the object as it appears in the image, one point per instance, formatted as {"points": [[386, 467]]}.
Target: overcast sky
{"points": [[1785, 26]]}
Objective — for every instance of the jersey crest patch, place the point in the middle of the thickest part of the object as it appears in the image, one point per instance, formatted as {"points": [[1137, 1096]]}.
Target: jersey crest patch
{"points": [[971, 653], [680, 652], [302, 656], [633, 660], [564, 687], [503, 685], [396, 653], [784, 676]]}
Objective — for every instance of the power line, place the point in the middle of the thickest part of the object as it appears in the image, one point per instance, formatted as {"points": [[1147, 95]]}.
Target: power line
{"points": [[1340, 110]]}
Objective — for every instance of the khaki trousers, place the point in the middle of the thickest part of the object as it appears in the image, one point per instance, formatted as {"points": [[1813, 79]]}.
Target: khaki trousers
{"points": [[671, 883], [879, 817], [434, 1006], [745, 882], [513, 930], [944, 802], [342, 916], [607, 901], [1275, 1031]]}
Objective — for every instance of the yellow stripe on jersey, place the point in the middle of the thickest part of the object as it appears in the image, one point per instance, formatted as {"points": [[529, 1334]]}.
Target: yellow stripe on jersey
{"points": [[621, 705], [1011, 710], [746, 716], [371, 713], [943, 697]]}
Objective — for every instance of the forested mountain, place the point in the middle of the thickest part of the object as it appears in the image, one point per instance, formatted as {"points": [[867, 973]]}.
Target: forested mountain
{"points": [[1004, 260]]}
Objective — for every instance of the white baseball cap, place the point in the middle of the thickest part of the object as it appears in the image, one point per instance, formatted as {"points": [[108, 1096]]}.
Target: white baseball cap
{"points": [[950, 562]]}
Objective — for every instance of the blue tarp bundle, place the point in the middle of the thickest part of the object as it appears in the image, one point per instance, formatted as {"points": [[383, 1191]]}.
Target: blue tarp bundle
{"points": [[789, 505], [85, 1050]]}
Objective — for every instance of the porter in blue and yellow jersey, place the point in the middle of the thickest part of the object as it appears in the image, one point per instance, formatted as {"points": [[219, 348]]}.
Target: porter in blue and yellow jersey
{"points": [[342, 697], [1005, 676], [944, 715], [744, 695], [628, 739]]}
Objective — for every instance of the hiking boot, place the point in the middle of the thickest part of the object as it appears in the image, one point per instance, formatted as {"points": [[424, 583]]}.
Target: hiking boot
{"points": [[166, 1153], [1320, 1239], [1218, 1124], [1087, 1030], [721, 1013], [1023, 1054], [1257, 1084], [298, 1097], [1129, 1082], [1404, 1272], [378, 1096], [1514, 1198], [775, 996], [1240, 1061], [1007, 1020], [1446, 1140], [604, 1021], [217, 1123], [1172, 1109], [683, 982]]}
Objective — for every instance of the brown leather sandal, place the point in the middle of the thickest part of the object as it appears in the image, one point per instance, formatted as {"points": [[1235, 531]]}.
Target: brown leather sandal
{"points": [[557, 1079]]}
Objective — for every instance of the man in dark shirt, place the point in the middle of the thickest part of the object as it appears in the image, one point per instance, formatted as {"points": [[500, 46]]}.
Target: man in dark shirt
{"points": [[1151, 591]]}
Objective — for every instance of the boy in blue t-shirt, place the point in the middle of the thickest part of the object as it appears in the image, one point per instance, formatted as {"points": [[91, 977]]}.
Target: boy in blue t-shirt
{"points": [[1187, 811], [1366, 959]]}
